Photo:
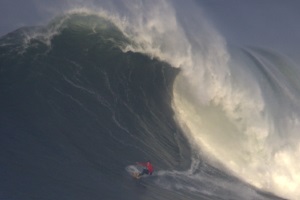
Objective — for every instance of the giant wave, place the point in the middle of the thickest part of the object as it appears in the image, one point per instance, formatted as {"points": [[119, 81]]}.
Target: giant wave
{"points": [[91, 93]]}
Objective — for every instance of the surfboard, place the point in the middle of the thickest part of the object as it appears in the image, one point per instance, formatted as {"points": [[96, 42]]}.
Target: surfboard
{"points": [[133, 171]]}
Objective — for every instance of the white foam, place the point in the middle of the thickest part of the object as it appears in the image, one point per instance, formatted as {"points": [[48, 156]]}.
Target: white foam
{"points": [[238, 128]]}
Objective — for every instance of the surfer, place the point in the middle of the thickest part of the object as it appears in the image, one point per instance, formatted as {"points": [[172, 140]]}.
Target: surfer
{"points": [[148, 168]]}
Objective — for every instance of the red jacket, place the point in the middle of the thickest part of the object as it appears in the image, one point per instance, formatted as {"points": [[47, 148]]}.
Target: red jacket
{"points": [[148, 165]]}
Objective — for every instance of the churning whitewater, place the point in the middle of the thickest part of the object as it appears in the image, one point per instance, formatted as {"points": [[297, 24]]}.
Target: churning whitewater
{"points": [[95, 90]]}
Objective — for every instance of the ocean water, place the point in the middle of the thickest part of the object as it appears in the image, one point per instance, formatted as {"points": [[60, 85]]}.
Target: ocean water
{"points": [[87, 95]]}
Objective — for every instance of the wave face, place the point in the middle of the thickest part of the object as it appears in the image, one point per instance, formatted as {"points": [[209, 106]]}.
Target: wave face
{"points": [[91, 93], [75, 113]]}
